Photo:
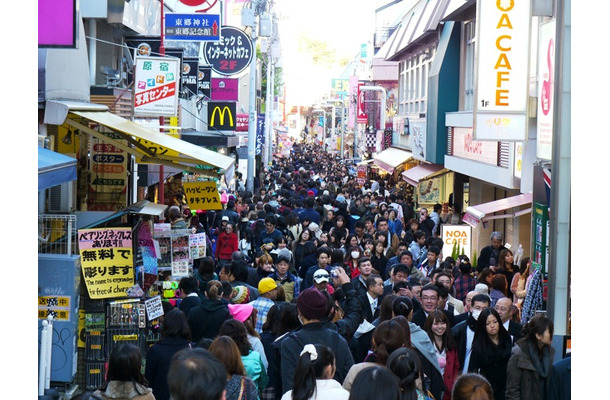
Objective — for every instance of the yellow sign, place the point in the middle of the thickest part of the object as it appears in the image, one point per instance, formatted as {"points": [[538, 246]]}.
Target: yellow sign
{"points": [[107, 261], [157, 149], [57, 306], [217, 113], [202, 195]]}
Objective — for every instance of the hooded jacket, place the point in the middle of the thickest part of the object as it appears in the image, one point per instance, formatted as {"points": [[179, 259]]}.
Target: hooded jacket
{"points": [[205, 319]]}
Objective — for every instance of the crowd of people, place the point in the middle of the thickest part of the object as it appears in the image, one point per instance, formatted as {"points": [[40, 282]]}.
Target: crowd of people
{"points": [[317, 287]]}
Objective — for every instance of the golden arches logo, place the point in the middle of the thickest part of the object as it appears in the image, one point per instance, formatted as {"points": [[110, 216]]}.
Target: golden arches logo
{"points": [[221, 113]]}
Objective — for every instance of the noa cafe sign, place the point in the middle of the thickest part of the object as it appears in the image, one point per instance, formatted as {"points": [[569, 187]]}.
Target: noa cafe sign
{"points": [[456, 235], [503, 47]]}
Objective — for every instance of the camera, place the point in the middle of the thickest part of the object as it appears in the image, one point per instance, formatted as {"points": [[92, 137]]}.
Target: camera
{"points": [[334, 272]]}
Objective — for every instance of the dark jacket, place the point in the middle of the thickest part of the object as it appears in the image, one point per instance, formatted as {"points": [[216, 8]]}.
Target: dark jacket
{"points": [[188, 303], [522, 379], [485, 256], [158, 359], [352, 314], [492, 363], [205, 319], [313, 333], [419, 318], [459, 333]]}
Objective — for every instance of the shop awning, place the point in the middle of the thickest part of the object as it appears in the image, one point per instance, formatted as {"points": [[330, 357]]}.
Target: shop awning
{"points": [[484, 212], [54, 168], [414, 175], [391, 158], [147, 144]]}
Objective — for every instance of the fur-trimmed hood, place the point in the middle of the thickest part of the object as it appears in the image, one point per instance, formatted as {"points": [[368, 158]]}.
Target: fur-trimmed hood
{"points": [[119, 390]]}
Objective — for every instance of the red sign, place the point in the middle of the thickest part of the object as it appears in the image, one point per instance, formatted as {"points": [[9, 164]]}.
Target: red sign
{"points": [[207, 4], [362, 117], [242, 123], [154, 94]]}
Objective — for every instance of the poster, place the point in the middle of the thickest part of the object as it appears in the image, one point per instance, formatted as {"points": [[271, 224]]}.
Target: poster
{"points": [[106, 261], [428, 191], [154, 308], [148, 256], [197, 245], [156, 86]]}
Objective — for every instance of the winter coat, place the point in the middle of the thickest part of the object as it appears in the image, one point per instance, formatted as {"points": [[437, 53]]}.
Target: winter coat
{"points": [[122, 390], [206, 318], [522, 379], [158, 358], [226, 245], [234, 388], [451, 373]]}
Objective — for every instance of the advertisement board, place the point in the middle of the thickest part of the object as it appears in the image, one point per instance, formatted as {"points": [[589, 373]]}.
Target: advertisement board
{"points": [[156, 86]]}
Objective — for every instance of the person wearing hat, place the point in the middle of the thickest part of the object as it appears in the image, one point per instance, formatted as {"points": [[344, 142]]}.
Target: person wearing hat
{"points": [[321, 281], [267, 294], [226, 244], [284, 278], [312, 307], [323, 255]]}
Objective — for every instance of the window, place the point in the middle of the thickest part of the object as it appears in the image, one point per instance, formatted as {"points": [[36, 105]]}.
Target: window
{"points": [[470, 36], [413, 82]]}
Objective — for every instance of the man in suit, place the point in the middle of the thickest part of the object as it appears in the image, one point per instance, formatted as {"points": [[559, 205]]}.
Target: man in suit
{"points": [[430, 301], [463, 333], [504, 307], [467, 307], [371, 300], [366, 268]]}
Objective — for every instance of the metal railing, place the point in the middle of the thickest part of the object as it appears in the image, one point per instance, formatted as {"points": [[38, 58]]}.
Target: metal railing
{"points": [[56, 234]]}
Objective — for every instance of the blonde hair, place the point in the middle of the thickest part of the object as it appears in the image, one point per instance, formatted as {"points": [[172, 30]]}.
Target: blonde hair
{"points": [[214, 290]]}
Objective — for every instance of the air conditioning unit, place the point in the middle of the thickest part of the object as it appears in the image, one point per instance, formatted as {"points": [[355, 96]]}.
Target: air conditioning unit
{"points": [[62, 198]]}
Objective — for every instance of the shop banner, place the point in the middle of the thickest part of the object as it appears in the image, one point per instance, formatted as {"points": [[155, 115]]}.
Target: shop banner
{"points": [[225, 89], [202, 195], [260, 133], [502, 70], [232, 53], [546, 89], [156, 86], [362, 116], [204, 78], [106, 261], [242, 123], [458, 237], [190, 71], [541, 226], [108, 168]]}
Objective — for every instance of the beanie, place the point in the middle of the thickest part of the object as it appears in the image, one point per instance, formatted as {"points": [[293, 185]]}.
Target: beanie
{"points": [[266, 285], [312, 303], [240, 312], [240, 295]]}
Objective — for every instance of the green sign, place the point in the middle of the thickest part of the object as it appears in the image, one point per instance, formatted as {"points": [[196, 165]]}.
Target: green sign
{"points": [[540, 236]]}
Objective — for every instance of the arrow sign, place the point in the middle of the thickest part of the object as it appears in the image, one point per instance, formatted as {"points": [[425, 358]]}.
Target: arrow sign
{"points": [[192, 27]]}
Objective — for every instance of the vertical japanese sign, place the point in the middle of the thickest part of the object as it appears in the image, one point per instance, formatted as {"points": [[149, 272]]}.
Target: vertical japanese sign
{"points": [[156, 86], [362, 117], [260, 133], [502, 69], [107, 261], [108, 187], [190, 70], [546, 90], [204, 78], [197, 245], [541, 235], [202, 195]]}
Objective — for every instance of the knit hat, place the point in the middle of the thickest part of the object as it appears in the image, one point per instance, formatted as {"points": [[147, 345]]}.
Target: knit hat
{"points": [[282, 257], [482, 288], [312, 303], [266, 285], [240, 294], [240, 312]]}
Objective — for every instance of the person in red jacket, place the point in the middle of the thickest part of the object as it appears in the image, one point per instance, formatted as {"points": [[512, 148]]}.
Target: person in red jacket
{"points": [[437, 327], [226, 244]]}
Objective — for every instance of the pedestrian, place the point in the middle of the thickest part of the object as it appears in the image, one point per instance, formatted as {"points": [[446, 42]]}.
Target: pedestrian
{"points": [[196, 374], [438, 329], [124, 379], [205, 319], [375, 382], [472, 386], [226, 244], [239, 386], [531, 362], [175, 336], [313, 378], [267, 294], [491, 350], [248, 315], [406, 366], [499, 285]]}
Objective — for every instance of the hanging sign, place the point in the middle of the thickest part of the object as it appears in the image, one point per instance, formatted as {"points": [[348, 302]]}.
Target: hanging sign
{"points": [[222, 115], [107, 261], [154, 308], [231, 54], [192, 27], [156, 86], [204, 78], [202, 195]]}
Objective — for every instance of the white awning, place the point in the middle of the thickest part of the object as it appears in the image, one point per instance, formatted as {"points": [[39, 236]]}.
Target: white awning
{"points": [[391, 158], [511, 205]]}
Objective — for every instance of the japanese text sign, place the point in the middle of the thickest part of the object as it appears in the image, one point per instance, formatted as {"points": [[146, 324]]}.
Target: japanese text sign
{"points": [[154, 308], [260, 133], [192, 27], [202, 195], [156, 86], [197, 245], [107, 261], [57, 306], [226, 89], [231, 54], [242, 123]]}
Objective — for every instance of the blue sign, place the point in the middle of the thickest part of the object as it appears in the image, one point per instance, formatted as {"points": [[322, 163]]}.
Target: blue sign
{"points": [[260, 133], [192, 27]]}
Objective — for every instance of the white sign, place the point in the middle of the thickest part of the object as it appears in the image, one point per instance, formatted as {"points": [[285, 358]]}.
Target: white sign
{"points": [[464, 146], [546, 89], [417, 138], [502, 69], [156, 86], [456, 235], [154, 308], [197, 245], [180, 268]]}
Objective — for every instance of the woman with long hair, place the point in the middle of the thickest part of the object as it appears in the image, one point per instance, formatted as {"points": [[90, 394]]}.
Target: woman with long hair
{"points": [[175, 336], [394, 223], [499, 287], [251, 359], [313, 378], [304, 251], [472, 386], [485, 276], [247, 246], [520, 290], [351, 261], [239, 386], [506, 266], [329, 221], [406, 365], [439, 331], [531, 363], [338, 232], [124, 377], [491, 349], [375, 382], [379, 259]]}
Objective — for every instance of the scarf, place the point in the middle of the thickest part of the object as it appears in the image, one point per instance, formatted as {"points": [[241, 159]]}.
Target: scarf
{"points": [[542, 366]]}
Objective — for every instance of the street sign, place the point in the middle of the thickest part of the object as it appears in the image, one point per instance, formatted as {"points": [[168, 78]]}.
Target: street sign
{"points": [[231, 54], [192, 27]]}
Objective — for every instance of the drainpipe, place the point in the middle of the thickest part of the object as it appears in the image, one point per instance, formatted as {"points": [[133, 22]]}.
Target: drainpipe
{"points": [[92, 33]]}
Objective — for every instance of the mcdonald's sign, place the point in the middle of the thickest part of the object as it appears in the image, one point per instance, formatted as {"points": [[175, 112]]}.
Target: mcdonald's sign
{"points": [[222, 115]]}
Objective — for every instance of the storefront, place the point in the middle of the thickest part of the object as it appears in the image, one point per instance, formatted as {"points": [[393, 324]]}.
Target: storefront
{"points": [[393, 161], [432, 182]]}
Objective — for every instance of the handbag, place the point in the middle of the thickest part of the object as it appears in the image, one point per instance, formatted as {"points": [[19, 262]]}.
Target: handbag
{"points": [[241, 390]]}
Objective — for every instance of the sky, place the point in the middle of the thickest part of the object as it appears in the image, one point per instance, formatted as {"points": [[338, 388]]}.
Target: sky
{"points": [[344, 24]]}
